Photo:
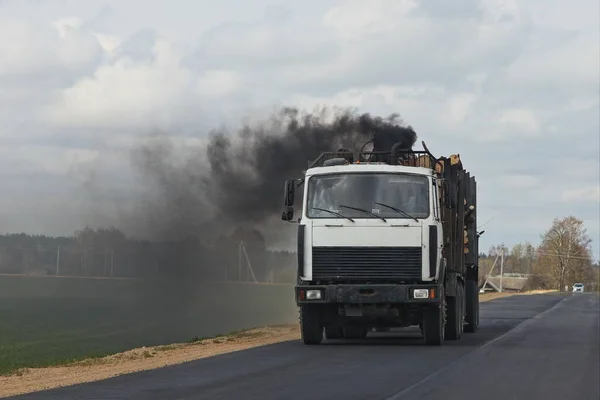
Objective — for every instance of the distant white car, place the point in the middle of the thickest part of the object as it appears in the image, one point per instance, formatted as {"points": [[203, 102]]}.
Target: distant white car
{"points": [[578, 288]]}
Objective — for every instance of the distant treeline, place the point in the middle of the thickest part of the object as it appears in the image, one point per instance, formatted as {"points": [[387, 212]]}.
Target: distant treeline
{"points": [[561, 259], [108, 252]]}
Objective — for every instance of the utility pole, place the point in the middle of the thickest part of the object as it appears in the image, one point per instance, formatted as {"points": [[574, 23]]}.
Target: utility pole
{"points": [[105, 261], [489, 274], [501, 268], [249, 264], [57, 259], [240, 261]]}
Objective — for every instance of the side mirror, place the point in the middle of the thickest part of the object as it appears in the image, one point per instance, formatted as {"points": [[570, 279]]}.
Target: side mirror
{"points": [[290, 192], [287, 214], [288, 200]]}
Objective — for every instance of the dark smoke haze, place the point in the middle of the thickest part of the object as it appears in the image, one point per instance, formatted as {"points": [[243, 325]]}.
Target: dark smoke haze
{"points": [[236, 179], [200, 200]]}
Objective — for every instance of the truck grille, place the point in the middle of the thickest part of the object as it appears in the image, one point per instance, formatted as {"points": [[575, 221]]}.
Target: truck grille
{"points": [[372, 263]]}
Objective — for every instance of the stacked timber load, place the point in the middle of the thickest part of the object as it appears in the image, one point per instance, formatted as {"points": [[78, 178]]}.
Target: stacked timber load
{"points": [[468, 221], [439, 166]]}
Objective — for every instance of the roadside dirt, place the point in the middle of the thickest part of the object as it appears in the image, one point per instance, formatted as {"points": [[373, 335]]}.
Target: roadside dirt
{"points": [[496, 295], [35, 379]]}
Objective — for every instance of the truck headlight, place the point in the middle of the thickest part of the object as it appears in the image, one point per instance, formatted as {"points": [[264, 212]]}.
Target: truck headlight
{"points": [[313, 295], [421, 293]]}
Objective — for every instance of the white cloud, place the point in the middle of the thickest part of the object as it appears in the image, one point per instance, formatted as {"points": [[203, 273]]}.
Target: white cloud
{"points": [[126, 94], [522, 122], [458, 107], [520, 181], [576, 61], [219, 83], [589, 194], [48, 50], [510, 85], [109, 43], [354, 19]]}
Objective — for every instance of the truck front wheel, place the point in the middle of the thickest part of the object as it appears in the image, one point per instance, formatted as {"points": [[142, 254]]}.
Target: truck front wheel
{"points": [[311, 327], [433, 324]]}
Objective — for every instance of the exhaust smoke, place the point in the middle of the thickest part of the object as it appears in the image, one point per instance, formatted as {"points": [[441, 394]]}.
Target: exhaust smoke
{"points": [[236, 179]]}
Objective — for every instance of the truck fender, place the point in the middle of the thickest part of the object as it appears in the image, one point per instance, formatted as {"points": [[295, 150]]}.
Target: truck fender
{"points": [[442, 274]]}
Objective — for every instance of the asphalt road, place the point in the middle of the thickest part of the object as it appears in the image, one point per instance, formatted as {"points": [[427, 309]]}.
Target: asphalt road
{"points": [[528, 347]]}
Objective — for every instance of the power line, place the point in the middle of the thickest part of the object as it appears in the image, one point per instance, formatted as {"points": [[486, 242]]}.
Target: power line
{"points": [[569, 256], [542, 253], [484, 224]]}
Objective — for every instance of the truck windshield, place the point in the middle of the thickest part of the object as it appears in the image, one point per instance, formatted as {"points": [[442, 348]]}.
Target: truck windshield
{"points": [[409, 193]]}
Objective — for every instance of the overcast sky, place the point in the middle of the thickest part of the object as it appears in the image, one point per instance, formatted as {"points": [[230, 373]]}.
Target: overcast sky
{"points": [[511, 85]]}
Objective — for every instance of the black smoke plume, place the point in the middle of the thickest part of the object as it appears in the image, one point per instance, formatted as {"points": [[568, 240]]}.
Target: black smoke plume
{"points": [[245, 172], [236, 179]]}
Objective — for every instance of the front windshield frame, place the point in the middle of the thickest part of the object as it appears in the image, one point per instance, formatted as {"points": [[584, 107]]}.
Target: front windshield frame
{"points": [[382, 211]]}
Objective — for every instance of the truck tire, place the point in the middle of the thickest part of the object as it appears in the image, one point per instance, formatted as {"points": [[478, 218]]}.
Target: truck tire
{"points": [[463, 308], [334, 332], [355, 332], [311, 327], [433, 324], [472, 306], [455, 312]]}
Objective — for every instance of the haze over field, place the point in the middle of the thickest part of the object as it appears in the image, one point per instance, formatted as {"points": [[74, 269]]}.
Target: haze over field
{"points": [[493, 81]]}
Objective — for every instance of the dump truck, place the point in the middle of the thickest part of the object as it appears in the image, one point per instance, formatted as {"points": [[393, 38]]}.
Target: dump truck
{"points": [[386, 240]]}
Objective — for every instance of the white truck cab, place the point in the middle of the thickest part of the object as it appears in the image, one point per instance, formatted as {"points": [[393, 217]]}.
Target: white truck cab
{"points": [[370, 221]]}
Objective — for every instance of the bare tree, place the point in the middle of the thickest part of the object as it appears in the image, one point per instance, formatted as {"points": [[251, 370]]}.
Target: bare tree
{"points": [[565, 252], [516, 258], [497, 250], [529, 257]]}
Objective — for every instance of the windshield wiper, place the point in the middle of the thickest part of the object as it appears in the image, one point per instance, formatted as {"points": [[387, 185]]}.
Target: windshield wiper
{"points": [[363, 210], [332, 212], [397, 210]]}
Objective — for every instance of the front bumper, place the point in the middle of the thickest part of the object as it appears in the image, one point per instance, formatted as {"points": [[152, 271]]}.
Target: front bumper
{"points": [[366, 294]]}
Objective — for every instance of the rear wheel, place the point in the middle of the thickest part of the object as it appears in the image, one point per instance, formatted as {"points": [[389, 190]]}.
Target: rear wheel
{"points": [[471, 306], [455, 320], [463, 309], [311, 327]]}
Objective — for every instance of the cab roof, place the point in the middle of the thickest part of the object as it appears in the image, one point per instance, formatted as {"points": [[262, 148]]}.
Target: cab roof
{"points": [[369, 167]]}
